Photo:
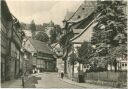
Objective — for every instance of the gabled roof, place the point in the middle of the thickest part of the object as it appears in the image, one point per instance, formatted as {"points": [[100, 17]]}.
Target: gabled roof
{"points": [[5, 12], [86, 36], [54, 45], [40, 46], [57, 47], [68, 15], [83, 11], [83, 18], [85, 30]]}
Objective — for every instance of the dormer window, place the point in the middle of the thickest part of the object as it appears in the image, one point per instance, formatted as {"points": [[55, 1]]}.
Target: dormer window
{"points": [[83, 8], [78, 16]]}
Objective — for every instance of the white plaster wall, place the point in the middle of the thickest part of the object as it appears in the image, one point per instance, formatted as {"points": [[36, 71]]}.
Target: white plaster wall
{"points": [[86, 36]]}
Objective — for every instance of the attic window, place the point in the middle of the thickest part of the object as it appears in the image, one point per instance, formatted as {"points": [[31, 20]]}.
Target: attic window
{"points": [[78, 16], [83, 8]]}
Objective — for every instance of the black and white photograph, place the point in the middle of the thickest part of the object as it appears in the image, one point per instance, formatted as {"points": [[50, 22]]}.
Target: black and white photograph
{"points": [[63, 44]]}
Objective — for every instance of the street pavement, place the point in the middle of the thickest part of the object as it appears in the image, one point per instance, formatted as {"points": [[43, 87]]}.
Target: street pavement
{"points": [[17, 83], [50, 80]]}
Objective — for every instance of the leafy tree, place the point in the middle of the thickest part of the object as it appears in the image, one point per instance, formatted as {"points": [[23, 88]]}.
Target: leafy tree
{"points": [[85, 53], [72, 61], [88, 55], [33, 27], [120, 52], [41, 36], [111, 23], [110, 29], [55, 34], [65, 43]]}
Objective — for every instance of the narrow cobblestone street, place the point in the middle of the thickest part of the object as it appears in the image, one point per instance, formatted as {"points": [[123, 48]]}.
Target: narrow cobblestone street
{"points": [[50, 80], [60, 44]]}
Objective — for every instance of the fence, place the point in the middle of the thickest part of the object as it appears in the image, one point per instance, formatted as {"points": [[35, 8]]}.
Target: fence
{"points": [[108, 76]]}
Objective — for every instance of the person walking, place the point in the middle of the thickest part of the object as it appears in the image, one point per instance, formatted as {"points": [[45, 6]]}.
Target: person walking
{"points": [[62, 75]]}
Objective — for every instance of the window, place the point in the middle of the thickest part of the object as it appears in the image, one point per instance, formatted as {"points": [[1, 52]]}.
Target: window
{"points": [[122, 64], [78, 16], [88, 66], [83, 8]]}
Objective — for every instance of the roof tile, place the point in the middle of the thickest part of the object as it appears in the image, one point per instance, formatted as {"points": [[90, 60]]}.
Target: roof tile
{"points": [[83, 11], [40, 46]]}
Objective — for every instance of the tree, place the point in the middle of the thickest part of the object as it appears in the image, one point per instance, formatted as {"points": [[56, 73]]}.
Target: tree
{"points": [[89, 55], [72, 61], [65, 43], [111, 23], [120, 52], [33, 27], [111, 29], [55, 34], [41, 36], [85, 53]]}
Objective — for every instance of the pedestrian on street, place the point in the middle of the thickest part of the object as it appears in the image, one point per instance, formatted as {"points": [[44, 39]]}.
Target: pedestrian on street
{"points": [[62, 75]]}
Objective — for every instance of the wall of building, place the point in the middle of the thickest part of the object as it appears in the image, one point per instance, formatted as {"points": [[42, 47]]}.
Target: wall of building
{"points": [[51, 65], [69, 69], [121, 66], [15, 65], [34, 60], [60, 65], [10, 50], [4, 46], [40, 63], [48, 30], [28, 32], [86, 36], [27, 45]]}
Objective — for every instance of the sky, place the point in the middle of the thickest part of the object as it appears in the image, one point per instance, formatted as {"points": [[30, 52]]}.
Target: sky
{"points": [[42, 11]]}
